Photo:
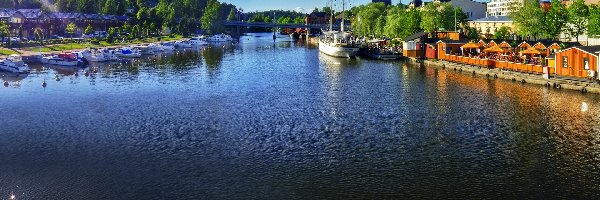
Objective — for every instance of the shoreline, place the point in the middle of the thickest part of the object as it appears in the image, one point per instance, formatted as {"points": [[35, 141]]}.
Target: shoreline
{"points": [[524, 78], [26, 55]]}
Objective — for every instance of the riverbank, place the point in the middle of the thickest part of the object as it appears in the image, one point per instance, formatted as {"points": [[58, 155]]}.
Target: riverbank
{"points": [[525, 78], [57, 48]]}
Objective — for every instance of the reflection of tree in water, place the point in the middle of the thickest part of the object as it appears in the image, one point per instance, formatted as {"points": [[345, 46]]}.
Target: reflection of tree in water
{"points": [[179, 61], [64, 70], [213, 57]]}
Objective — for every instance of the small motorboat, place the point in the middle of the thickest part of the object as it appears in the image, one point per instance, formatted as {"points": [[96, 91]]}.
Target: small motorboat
{"points": [[14, 63], [92, 55], [166, 46], [197, 41], [109, 54], [62, 59], [220, 38], [127, 52], [183, 44]]}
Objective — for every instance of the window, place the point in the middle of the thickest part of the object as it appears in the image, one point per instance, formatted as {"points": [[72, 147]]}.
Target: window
{"points": [[565, 62], [586, 63]]}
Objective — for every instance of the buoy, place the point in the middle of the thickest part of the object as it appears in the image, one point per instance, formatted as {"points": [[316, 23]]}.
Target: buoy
{"points": [[547, 84], [583, 90], [44, 84], [86, 74], [443, 66], [523, 81], [455, 69], [76, 74], [460, 70], [57, 78], [487, 75], [514, 79], [5, 83], [495, 75], [473, 72]]}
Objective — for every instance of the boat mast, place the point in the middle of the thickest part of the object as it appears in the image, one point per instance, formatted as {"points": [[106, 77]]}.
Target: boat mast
{"points": [[343, 15], [331, 18]]}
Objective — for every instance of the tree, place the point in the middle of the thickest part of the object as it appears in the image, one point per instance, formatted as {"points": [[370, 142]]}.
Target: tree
{"points": [[502, 33], [366, 23], [5, 32], [556, 19], [471, 33], [232, 15], [111, 34], [284, 20], [115, 7], [39, 36], [326, 9], [528, 18], [71, 27], [440, 16], [89, 29], [594, 21], [211, 20], [316, 10], [299, 20], [578, 18]]}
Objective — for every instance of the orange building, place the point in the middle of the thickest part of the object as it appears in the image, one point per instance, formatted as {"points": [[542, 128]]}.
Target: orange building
{"points": [[579, 62]]}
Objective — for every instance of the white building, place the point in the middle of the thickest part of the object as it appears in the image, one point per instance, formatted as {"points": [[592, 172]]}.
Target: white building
{"points": [[500, 7], [474, 10]]}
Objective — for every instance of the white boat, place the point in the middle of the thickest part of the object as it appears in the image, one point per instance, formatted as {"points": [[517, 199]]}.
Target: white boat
{"points": [[182, 44], [109, 55], [167, 46], [92, 56], [14, 63], [220, 38], [197, 41], [127, 52], [154, 48], [336, 43], [145, 50], [62, 59]]}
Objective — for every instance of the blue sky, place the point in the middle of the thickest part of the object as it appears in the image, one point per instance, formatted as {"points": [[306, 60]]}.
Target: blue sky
{"points": [[306, 5]]}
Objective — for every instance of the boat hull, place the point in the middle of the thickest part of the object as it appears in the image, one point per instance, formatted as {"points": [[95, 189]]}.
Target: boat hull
{"points": [[342, 52]]}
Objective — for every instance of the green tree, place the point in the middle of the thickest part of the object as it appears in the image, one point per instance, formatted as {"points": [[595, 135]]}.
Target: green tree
{"points": [[284, 20], [502, 33], [70, 29], [232, 15], [111, 34], [578, 18], [299, 20], [39, 36], [556, 19], [401, 22], [211, 20], [88, 30], [366, 23], [5, 32], [594, 21], [115, 7], [528, 19], [471, 33], [326, 9], [441, 16], [87, 6]]}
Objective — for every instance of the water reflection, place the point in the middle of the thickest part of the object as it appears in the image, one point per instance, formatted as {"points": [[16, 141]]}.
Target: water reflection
{"points": [[275, 119]]}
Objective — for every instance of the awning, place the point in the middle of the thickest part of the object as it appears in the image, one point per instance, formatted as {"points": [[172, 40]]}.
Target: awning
{"points": [[470, 45], [494, 49]]}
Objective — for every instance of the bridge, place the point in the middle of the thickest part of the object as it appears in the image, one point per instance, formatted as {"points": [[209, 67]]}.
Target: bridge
{"points": [[269, 25]]}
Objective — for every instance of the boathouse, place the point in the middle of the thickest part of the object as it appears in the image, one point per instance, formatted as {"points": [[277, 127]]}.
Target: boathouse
{"points": [[578, 62], [414, 45]]}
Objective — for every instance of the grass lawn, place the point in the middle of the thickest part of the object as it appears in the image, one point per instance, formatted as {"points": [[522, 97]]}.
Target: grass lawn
{"points": [[7, 52]]}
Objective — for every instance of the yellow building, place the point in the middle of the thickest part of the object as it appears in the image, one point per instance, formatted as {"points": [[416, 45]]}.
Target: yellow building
{"points": [[488, 26]]}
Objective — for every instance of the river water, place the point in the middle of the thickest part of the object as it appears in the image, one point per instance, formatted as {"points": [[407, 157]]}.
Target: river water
{"points": [[264, 120]]}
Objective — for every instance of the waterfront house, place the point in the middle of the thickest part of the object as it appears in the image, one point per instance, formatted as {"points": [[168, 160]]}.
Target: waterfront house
{"points": [[488, 26], [578, 62], [317, 18], [414, 45]]}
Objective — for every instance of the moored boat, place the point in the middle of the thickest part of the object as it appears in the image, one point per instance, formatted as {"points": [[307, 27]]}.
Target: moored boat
{"points": [[220, 38], [14, 63], [127, 52], [62, 59]]}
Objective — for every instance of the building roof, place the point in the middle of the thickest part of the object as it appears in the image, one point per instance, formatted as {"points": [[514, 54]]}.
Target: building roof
{"points": [[451, 41], [493, 19], [6, 13], [59, 15], [416, 36], [30, 13], [590, 49]]}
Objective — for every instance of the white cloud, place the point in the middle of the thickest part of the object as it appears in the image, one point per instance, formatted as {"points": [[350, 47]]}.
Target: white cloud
{"points": [[299, 9]]}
